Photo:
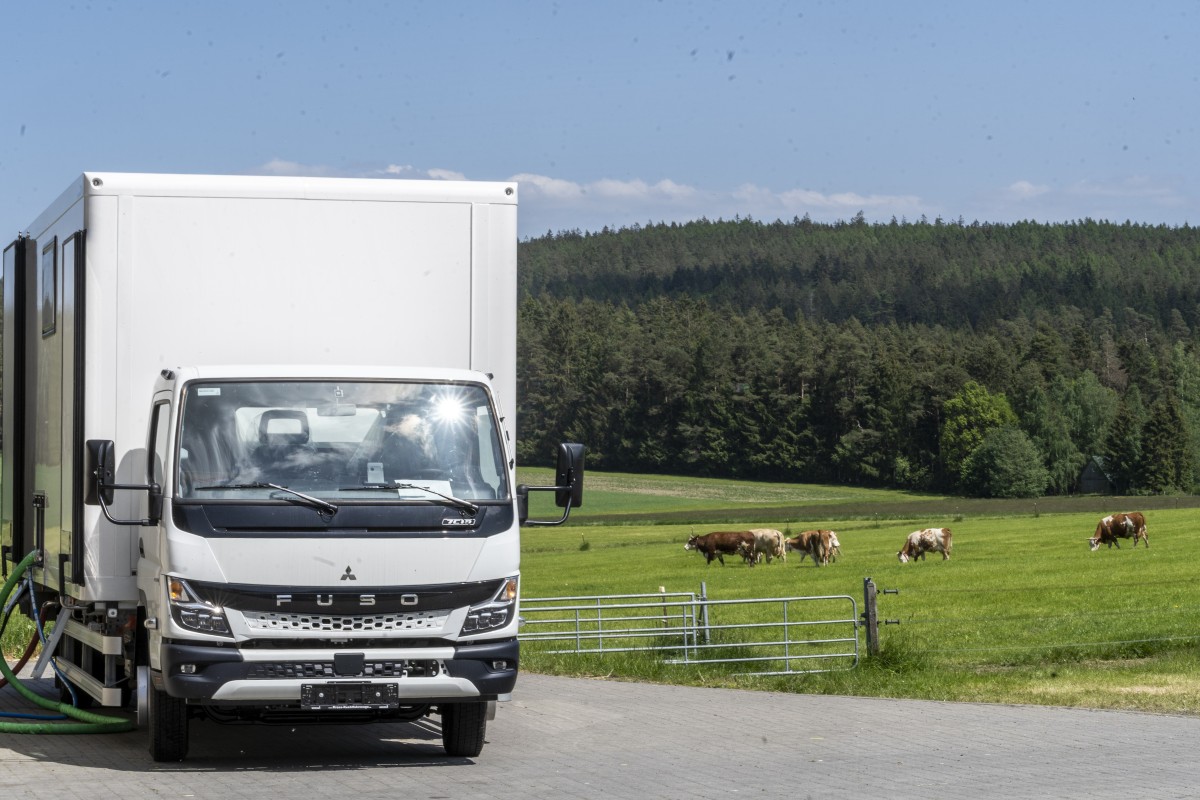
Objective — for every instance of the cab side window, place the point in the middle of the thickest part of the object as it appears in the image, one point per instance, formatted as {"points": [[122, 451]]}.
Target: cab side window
{"points": [[160, 427]]}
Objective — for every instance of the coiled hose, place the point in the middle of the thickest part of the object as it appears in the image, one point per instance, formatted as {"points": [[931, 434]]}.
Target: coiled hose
{"points": [[31, 648], [86, 721]]}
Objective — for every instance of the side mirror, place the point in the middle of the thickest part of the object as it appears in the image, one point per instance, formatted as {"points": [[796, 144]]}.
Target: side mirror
{"points": [[568, 488], [569, 474], [101, 469]]}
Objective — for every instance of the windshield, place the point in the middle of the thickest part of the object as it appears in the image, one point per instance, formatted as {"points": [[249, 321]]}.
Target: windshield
{"points": [[242, 440]]}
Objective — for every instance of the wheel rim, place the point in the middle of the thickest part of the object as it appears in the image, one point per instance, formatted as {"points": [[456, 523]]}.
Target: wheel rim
{"points": [[143, 696]]}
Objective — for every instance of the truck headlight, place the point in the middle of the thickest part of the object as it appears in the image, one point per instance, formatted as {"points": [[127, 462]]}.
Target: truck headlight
{"points": [[193, 613], [493, 614]]}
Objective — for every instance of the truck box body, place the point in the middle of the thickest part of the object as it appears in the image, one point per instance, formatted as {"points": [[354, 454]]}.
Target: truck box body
{"points": [[209, 270], [296, 319]]}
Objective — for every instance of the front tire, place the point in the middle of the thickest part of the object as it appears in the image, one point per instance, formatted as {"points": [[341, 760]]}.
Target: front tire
{"points": [[167, 719], [463, 728]]}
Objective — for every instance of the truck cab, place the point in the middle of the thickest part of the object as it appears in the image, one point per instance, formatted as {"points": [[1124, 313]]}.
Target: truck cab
{"points": [[341, 545]]}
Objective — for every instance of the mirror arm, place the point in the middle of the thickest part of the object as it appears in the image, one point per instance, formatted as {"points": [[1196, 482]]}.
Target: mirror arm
{"points": [[152, 488], [566, 509]]}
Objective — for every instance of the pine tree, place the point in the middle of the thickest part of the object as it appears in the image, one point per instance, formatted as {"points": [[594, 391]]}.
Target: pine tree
{"points": [[1123, 444], [1165, 459]]}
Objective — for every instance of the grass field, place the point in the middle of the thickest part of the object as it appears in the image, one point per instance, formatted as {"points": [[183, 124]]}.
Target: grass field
{"points": [[1022, 613]]}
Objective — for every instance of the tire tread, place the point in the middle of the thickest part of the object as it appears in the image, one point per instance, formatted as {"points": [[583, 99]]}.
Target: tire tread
{"points": [[464, 726]]}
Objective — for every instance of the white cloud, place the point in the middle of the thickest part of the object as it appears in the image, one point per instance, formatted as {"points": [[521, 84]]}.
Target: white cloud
{"points": [[550, 187], [664, 190], [1132, 188], [607, 191], [1023, 190], [409, 172], [616, 203], [445, 175], [400, 171], [638, 200], [1137, 198], [841, 202], [764, 203], [553, 204], [278, 166]]}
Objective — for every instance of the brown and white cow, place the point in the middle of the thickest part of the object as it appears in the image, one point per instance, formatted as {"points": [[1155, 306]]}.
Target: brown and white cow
{"points": [[1120, 526], [921, 542], [830, 547], [819, 544], [834, 549], [719, 544]]}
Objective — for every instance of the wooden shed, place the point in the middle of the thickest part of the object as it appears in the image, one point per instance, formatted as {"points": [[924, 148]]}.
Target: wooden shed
{"points": [[1094, 479]]}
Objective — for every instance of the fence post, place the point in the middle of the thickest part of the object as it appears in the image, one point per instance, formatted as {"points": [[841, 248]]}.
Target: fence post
{"points": [[599, 625], [871, 616], [704, 608]]}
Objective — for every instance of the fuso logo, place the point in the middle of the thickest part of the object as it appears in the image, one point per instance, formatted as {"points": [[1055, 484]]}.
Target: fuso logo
{"points": [[458, 523]]}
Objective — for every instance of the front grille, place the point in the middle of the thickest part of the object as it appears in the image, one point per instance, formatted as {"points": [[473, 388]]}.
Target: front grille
{"points": [[334, 623], [324, 669]]}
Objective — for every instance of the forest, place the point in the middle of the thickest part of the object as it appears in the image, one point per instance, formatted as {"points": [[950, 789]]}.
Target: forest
{"points": [[992, 360]]}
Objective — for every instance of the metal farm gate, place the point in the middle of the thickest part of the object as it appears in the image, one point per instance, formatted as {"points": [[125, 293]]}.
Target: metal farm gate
{"points": [[771, 636]]}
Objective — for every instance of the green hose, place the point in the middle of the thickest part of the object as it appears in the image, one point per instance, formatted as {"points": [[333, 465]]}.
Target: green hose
{"points": [[88, 722]]}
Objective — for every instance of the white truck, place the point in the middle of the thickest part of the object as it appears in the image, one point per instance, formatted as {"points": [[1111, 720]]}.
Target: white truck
{"points": [[259, 433]]}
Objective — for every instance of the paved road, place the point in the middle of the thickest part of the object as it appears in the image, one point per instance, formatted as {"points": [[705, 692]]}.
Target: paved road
{"points": [[570, 738]]}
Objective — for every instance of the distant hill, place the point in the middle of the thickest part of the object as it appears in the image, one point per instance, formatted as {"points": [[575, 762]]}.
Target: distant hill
{"points": [[949, 274], [816, 352]]}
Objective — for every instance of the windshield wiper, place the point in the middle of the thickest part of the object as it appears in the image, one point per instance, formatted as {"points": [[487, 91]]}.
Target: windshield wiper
{"points": [[465, 505], [315, 502]]}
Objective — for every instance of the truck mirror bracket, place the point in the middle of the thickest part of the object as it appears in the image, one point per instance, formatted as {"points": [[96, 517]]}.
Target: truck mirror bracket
{"points": [[568, 488], [101, 467]]}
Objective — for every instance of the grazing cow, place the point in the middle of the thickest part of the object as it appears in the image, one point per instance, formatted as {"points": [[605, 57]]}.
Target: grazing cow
{"points": [[720, 544], [817, 544], [921, 542], [1120, 526], [824, 548], [834, 549], [769, 543]]}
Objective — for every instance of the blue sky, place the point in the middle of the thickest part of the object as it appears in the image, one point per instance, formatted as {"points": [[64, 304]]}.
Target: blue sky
{"points": [[615, 113]]}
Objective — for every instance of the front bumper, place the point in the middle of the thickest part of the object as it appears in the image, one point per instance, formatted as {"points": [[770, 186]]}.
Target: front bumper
{"points": [[226, 675]]}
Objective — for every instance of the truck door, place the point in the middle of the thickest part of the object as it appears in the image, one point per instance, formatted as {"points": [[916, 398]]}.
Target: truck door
{"points": [[45, 409], [58, 445], [73, 460], [40, 500], [16, 474]]}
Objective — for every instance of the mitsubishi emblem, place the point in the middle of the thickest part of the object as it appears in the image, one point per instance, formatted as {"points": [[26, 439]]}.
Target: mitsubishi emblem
{"points": [[349, 576]]}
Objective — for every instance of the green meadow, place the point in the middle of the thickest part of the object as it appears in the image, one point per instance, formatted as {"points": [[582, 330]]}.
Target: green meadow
{"points": [[1023, 612]]}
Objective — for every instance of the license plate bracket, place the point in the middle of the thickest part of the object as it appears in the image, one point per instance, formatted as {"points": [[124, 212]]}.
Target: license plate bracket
{"points": [[349, 696]]}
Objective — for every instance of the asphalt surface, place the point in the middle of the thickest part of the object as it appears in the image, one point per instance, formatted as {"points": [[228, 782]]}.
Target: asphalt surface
{"points": [[573, 738]]}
